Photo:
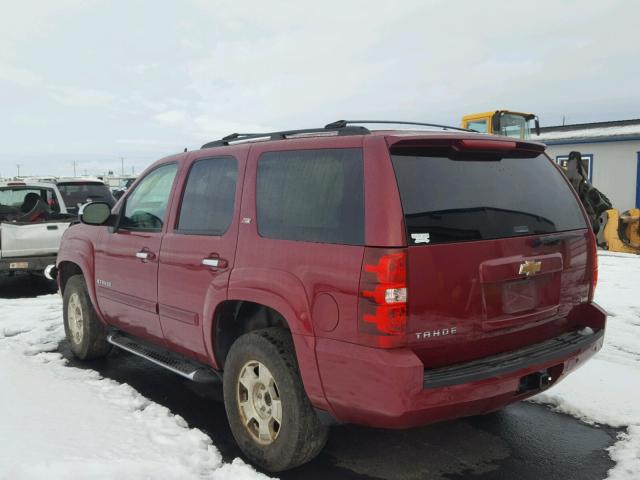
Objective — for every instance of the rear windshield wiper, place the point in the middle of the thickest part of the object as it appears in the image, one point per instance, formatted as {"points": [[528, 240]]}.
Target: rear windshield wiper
{"points": [[555, 239]]}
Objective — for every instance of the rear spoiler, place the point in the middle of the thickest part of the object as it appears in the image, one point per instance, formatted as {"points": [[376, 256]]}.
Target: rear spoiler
{"points": [[459, 148]]}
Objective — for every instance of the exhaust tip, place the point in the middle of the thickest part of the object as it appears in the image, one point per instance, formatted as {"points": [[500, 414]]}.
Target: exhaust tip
{"points": [[51, 272]]}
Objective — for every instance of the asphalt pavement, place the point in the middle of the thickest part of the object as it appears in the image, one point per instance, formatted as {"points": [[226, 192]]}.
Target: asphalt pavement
{"points": [[523, 441]]}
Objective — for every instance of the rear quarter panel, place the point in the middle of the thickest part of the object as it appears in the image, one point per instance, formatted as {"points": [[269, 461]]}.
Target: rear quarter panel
{"points": [[297, 278]]}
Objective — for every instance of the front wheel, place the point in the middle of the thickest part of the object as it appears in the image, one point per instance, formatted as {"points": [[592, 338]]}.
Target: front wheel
{"points": [[270, 415], [86, 334]]}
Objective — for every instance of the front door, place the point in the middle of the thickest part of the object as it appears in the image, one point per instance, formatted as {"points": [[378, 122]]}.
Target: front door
{"points": [[197, 255], [127, 258]]}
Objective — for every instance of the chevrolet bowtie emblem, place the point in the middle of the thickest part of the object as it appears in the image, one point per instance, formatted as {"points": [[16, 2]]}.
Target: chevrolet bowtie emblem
{"points": [[529, 268]]}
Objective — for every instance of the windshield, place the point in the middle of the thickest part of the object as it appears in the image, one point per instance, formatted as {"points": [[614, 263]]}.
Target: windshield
{"points": [[79, 193], [515, 126], [448, 200]]}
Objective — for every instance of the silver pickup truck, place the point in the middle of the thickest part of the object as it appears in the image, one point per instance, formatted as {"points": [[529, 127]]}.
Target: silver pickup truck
{"points": [[33, 217]]}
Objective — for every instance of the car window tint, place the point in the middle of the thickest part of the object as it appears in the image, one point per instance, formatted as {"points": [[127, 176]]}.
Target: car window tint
{"points": [[75, 194], [312, 195], [145, 207], [447, 200], [209, 195]]}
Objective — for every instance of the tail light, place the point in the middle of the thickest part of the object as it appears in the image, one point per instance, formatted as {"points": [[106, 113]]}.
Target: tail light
{"points": [[594, 265], [382, 307]]}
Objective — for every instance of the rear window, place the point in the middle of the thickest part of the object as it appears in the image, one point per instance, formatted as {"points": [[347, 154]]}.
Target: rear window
{"points": [[312, 195], [448, 200], [79, 193], [18, 198]]}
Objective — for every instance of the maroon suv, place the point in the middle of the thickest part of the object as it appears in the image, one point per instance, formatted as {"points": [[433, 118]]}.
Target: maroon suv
{"points": [[383, 278]]}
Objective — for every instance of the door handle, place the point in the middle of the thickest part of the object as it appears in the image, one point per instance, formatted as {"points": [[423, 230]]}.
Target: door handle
{"points": [[214, 262], [145, 255]]}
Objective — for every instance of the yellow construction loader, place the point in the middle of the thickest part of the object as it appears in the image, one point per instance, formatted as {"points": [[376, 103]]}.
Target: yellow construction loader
{"points": [[614, 231], [502, 122]]}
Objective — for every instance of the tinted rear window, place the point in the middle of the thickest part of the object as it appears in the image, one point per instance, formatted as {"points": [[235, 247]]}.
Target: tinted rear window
{"points": [[79, 193], [312, 195], [448, 200]]}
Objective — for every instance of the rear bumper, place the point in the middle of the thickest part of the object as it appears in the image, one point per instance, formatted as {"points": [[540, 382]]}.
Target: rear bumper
{"points": [[392, 389], [33, 264]]}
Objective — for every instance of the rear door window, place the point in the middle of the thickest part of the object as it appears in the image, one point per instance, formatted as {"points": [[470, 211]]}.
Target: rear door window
{"points": [[209, 196], [448, 200], [312, 195]]}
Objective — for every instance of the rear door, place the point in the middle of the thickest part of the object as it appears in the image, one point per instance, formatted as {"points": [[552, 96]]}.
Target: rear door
{"points": [[198, 253], [497, 250]]}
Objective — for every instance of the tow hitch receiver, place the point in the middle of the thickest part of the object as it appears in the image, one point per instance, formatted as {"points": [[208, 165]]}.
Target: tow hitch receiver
{"points": [[535, 381]]}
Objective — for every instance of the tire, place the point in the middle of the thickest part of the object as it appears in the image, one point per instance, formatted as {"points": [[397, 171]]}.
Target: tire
{"points": [[299, 436], [86, 334]]}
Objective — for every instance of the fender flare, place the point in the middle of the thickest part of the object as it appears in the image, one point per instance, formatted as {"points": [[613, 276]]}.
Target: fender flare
{"points": [[284, 293], [80, 252]]}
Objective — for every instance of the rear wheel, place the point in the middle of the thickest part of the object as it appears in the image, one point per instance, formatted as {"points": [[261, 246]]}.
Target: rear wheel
{"points": [[86, 334], [270, 415]]}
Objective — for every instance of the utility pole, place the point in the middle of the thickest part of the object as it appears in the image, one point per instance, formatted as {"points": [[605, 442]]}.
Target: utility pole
{"points": [[122, 165], [74, 168], [18, 165]]}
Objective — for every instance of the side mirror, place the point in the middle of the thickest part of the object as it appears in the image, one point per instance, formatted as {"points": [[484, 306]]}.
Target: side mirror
{"points": [[95, 213], [537, 125]]}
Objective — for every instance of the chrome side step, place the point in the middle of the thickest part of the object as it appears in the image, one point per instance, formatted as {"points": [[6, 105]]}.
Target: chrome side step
{"points": [[174, 362]]}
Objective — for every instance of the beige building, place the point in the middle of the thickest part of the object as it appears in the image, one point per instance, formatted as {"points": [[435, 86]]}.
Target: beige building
{"points": [[610, 152]]}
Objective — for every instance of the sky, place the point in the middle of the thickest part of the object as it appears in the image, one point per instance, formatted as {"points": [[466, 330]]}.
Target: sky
{"points": [[103, 84]]}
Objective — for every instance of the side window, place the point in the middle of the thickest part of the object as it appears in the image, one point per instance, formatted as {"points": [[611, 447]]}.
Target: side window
{"points": [[209, 195], [312, 195], [478, 125], [146, 206], [52, 201]]}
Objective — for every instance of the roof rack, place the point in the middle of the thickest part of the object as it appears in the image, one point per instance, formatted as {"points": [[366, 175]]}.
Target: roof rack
{"points": [[308, 132], [340, 127], [345, 123]]}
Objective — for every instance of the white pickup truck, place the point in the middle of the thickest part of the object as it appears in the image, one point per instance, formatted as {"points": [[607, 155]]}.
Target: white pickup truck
{"points": [[33, 217]]}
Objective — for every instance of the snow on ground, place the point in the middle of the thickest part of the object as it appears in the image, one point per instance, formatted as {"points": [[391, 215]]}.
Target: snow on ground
{"points": [[58, 422], [607, 389]]}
